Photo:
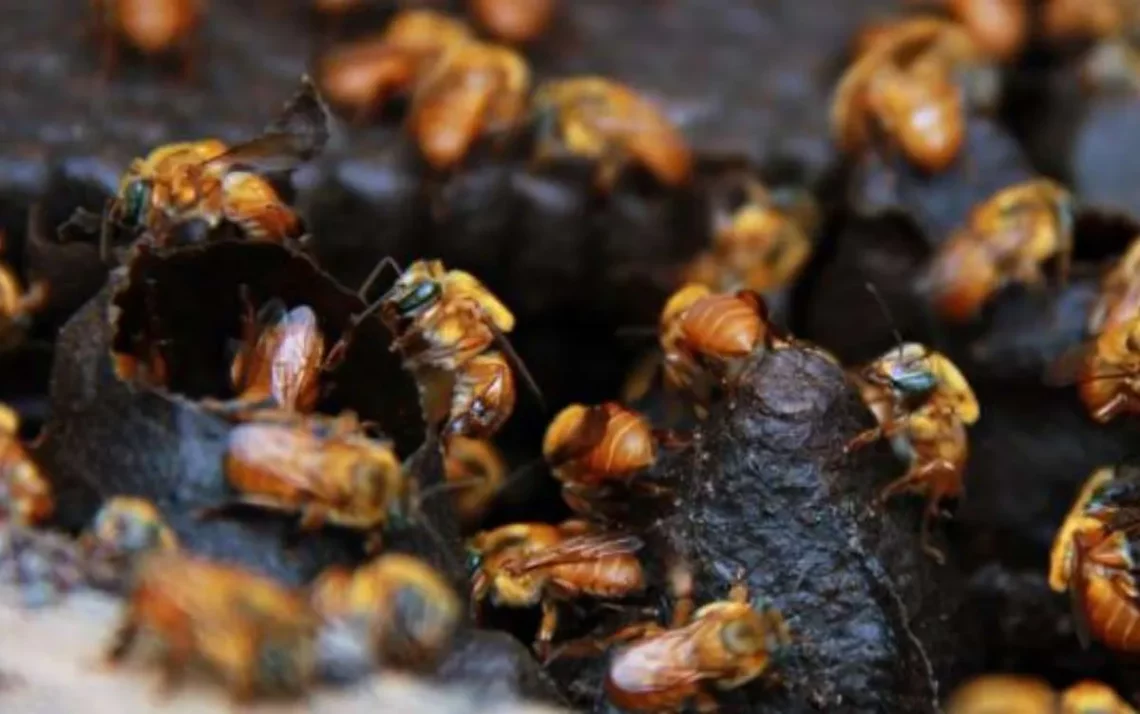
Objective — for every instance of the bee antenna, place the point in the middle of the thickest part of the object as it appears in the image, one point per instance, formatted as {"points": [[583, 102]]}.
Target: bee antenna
{"points": [[377, 271], [870, 287]]}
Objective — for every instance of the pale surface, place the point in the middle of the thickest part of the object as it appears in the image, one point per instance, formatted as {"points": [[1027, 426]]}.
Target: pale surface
{"points": [[49, 664]]}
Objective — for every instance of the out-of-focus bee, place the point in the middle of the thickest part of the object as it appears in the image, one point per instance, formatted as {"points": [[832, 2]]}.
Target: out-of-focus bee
{"points": [[1006, 240], [25, 494], [1107, 369], [724, 645], [253, 632], [526, 564], [206, 181], [706, 336], [479, 466], [593, 450], [364, 74], [445, 322], [514, 21], [1092, 559], [1120, 287], [999, 27], [475, 89], [280, 360], [912, 85], [408, 609], [152, 27], [1089, 697], [326, 472], [17, 306], [1088, 19], [760, 245], [127, 527], [1003, 694], [607, 122], [922, 404]]}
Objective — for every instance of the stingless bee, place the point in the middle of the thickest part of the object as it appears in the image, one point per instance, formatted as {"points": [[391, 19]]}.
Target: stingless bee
{"points": [[26, 497], [922, 404], [607, 122], [1119, 290], [363, 75], [1006, 240], [526, 564], [761, 244], [479, 466], [126, 527], [593, 450], [1092, 560], [514, 21], [1013, 694], [151, 26], [326, 471], [445, 323], [705, 338], [17, 305], [407, 608], [207, 181], [256, 634], [475, 89], [723, 645], [1090, 697], [911, 86]]}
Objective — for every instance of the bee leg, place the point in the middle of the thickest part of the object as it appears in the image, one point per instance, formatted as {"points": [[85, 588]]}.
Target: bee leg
{"points": [[1112, 409], [123, 640], [179, 650], [546, 629], [705, 703], [863, 439]]}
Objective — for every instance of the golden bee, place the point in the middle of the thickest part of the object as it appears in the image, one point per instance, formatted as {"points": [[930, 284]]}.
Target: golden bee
{"points": [[912, 85], [607, 122], [153, 27], [252, 632], [1119, 290], [1003, 694], [26, 497], [478, 465], [128, 526], [474, 90], [1081, 19], [363, 75], [1007, 239], [723, 645], [1089, 697], [514, 21], [591, 450], [1092, 560], [406, 606], [527, 564], [445, 323], [760, 245], [922, 404], [17, 306], [280, 360], [325, 471], [208, 182], [706, 336], [999, 27]]}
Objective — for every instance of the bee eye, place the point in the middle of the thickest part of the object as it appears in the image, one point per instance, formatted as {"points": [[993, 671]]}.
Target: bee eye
{"points": [[136, 197], [915, 382], [474, 561], [423, 294]]}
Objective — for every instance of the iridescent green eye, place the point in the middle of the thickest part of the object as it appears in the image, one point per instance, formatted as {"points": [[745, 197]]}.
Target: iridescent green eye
{"points": [[423, 294], [136, 198], [916, 382]]}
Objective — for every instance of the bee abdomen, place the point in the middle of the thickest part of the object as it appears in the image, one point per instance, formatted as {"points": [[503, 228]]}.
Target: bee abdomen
{"points": [[723, 325], [1114, 619]]}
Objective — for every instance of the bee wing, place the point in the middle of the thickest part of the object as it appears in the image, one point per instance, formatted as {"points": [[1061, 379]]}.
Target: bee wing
{"points": [[589, 434], [579, 549], [508, 349], [1066, 369], [269, 153]]}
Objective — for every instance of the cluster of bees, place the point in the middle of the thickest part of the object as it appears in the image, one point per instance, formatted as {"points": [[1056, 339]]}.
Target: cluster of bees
{"points": [[908, 89]]}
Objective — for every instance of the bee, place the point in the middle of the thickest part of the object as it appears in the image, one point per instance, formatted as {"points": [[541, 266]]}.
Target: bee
{"points": [[1118, 289], [526, 564], [706, 336], [905, 86], [1000, 27], [1092, 560], [1006, 240], [364, 74], [326, 472], [922, 404], [17, 306], [254, 633], [607, 122], [151, 26], [127, 526], [591, 450], [761, 245], [514, 21], [206, 181], [26, 497], [723, 645], [478, 463], [474, 89], [406, 606], [445, 322], [1003, 694], [1106, 369], [1078, 19], [280, 360], [1089, 697]]}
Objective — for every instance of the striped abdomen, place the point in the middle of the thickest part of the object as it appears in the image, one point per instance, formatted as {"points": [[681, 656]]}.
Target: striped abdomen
{"points": [[627, 446], [722, 326], [1113, 617], [611, 577]]}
